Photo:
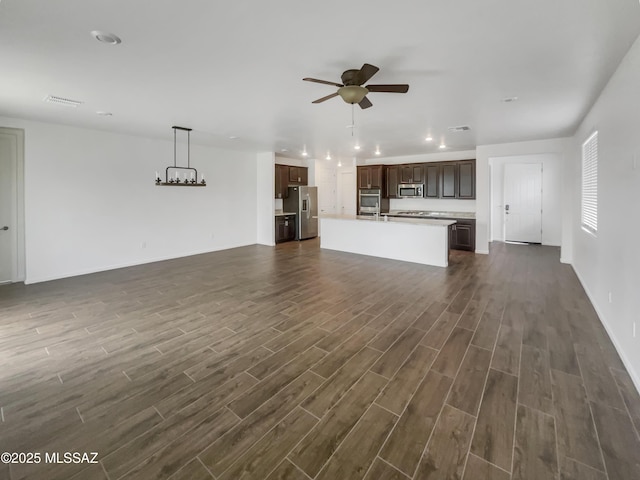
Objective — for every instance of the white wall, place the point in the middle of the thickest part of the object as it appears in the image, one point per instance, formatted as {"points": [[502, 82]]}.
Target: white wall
{"points": [[558, 147], [610, 261], [426, 157], [265, 198], [551, 195], [91, 201]]}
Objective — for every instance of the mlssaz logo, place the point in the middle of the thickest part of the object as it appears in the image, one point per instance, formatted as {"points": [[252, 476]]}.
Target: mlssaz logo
{"points": [[71, 457]]}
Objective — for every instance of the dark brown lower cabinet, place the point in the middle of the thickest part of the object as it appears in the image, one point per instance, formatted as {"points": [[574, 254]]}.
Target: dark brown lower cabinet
{"points": [[462, 235], [285, 228]]}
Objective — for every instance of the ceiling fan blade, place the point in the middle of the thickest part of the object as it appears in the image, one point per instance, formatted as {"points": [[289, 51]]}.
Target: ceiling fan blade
{"points": [[365, 103], [388, 88], [320, 100], [322, 81], [366, 72]]}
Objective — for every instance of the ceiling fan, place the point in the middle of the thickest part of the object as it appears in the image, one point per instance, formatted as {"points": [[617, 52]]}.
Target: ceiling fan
{"points": [[351, 89]]}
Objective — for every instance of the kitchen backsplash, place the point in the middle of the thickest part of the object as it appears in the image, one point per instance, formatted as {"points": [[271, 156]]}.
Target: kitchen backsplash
{"points": [[433, 204], [278, 205]]}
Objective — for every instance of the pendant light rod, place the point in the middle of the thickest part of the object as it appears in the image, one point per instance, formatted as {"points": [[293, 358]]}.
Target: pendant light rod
{"points": [[184, 129]]}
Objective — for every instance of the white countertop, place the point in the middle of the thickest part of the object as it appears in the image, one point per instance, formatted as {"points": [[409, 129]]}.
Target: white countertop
{"points": [[427, 222]]}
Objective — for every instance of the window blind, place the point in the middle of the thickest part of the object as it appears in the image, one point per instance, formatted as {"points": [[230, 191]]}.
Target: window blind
{"points": [[590, 183]]}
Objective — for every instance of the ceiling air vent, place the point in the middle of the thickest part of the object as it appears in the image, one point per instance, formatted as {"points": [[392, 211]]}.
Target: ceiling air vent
{"points": [[67, 102], [459, 128]]}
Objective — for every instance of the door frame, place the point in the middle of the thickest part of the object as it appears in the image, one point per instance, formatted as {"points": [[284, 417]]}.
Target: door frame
{"points": [[18, 267], [341, 183], [504, 189]]}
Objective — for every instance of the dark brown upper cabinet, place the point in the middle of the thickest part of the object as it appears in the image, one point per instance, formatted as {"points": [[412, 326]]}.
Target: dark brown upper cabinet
{"points": [[452, 179], [458, 179], [286, 175], [448, 180], [412, 173], [282, 181], [391, 175], [298, 175], [467, 179], [370, 176], [432, 180]]}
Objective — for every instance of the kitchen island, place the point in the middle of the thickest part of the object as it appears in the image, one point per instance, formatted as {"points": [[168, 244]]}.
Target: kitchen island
{"points": [[423, 241]]}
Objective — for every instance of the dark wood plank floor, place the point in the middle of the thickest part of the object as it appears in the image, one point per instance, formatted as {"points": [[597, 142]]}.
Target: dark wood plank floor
{"points": [[297, 363]]}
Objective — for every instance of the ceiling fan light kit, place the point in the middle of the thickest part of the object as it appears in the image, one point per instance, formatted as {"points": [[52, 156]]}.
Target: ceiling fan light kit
{"points": [[178, 180], [352, 93]]}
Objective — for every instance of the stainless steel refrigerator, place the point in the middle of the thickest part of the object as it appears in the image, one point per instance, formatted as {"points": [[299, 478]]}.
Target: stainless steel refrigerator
{"points": [[304, 202]]}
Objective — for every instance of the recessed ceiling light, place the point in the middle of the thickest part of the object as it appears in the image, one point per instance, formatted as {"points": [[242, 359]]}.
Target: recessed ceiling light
{"points": [[339, 163], [428, 139], [304, 153], [104, 114], [357, 147], [284, 150], [509, 99], [442, 145], [377, 152], [233, 137], [106, 37], [328, 157]]}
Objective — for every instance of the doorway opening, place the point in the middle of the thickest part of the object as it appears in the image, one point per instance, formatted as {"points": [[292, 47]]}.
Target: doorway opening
{"points": [[523, 203], [544, 181], [12, 247]]}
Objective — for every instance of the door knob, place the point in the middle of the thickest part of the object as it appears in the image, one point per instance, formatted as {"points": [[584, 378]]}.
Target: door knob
{"points": [[4, 228]]}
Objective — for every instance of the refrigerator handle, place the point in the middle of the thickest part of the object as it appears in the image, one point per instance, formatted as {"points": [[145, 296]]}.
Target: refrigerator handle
{"points": [[308, 206]]}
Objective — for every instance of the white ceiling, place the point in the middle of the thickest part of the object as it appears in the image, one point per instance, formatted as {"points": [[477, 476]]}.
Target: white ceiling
{"points": [[235, 68]]}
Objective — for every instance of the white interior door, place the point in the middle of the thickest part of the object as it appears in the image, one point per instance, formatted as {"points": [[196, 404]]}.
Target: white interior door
{"points": [[523, 202], [347, 201], [326, 182], [8, 213]]}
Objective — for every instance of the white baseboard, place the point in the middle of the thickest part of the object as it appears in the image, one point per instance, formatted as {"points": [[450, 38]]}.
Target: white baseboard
{"points": [[482, 252], [632, 373]]}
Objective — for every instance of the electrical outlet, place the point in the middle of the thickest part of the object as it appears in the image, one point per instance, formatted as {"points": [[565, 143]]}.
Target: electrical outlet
{"points": [[143, 245], [610, 298]]}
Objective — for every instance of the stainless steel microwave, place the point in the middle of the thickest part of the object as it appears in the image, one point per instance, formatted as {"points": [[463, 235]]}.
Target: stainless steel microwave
{"points": [[410, 190]]}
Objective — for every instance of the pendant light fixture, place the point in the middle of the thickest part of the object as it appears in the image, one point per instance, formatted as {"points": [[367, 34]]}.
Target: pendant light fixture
{"points": [[173, 178]]}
